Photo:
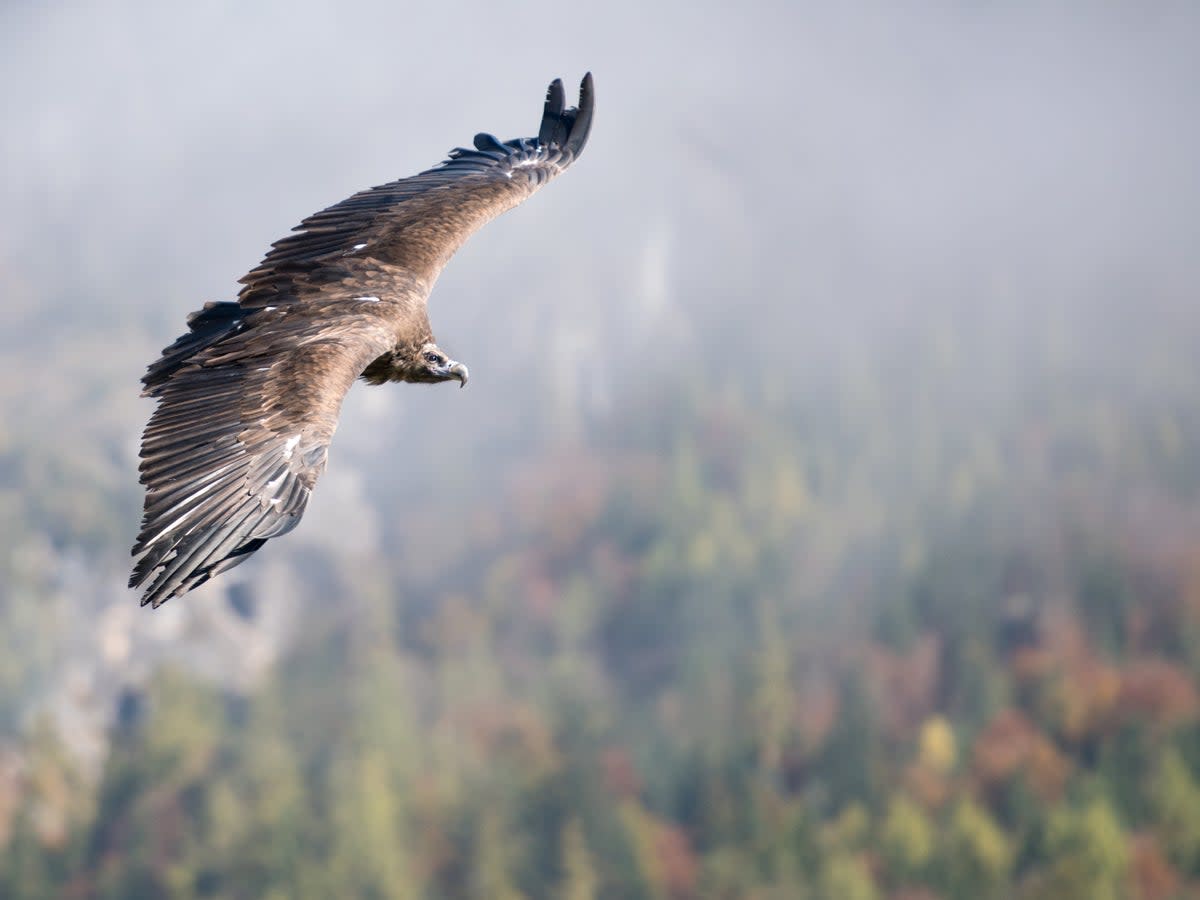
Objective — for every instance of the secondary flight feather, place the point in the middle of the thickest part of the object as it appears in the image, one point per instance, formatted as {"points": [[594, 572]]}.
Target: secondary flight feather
{"points": [[248, 399]]}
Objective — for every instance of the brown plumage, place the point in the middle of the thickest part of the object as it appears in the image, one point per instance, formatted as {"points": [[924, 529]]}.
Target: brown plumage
{"points": [[248, 399]]}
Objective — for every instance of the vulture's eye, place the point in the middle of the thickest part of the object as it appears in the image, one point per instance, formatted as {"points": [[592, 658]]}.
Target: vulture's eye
{"points": [[433, 359]]}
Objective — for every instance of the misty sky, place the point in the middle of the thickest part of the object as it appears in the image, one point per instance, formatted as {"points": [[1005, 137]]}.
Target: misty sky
{"points": [[778, 171], [152, 151]]}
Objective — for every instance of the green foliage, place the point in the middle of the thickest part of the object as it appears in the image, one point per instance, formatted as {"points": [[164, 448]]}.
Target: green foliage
{"points": [[847, 876], [849, 767], [579, 872], [907, 839], [1105, 599], [1175, 800], [1088, 853], [976, 855], [877, 634]]}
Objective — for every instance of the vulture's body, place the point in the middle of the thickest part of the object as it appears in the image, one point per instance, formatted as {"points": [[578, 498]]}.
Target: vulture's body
{"points": [[248, 399]]}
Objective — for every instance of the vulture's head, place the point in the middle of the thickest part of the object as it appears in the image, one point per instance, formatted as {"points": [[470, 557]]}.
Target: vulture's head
{"points": [[431, 365], [424, 364]]}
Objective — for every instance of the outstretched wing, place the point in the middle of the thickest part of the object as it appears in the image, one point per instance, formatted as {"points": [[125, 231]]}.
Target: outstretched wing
{"points": [[418, 223], [249, 399], [248, 403]]}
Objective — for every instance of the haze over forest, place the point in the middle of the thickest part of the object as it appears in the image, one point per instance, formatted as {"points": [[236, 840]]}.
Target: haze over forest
{"points": [[820, 521]]}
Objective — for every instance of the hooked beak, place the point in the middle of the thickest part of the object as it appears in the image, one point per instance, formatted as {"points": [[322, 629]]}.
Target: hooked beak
{"points": [[459, 371]]}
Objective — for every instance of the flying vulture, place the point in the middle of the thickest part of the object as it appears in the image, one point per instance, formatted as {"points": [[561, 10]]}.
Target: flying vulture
{"points": [[248, 399]]}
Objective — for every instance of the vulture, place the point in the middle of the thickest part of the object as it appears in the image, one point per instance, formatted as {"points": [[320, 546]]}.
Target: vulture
{"points": [[248, 398]]}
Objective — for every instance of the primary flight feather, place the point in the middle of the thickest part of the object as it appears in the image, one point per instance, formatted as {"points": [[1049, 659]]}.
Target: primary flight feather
{"points": [[248, 399]]}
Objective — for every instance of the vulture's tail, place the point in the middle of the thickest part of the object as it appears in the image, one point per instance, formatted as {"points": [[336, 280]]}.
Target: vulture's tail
{"points": [[206, 327]]}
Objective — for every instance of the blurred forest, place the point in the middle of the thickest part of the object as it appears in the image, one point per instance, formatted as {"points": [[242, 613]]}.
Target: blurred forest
{"points": [[822, 519]]}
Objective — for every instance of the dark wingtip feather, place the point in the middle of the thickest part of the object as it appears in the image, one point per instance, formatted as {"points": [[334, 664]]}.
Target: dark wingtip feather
{"points": [[556, 97], [582, 125], [552, 130], [567, 128]]}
